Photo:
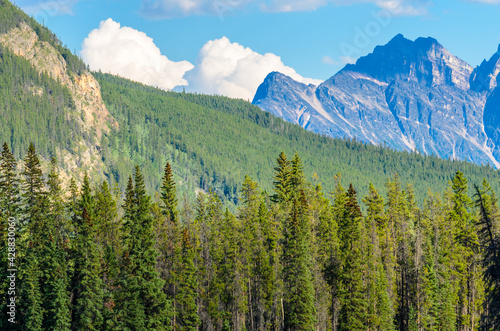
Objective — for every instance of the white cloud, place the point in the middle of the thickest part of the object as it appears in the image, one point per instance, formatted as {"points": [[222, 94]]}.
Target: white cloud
{"points": [[294, 5], [232, 70], [46, 9], [222, 67], [131, 54], [347, 59], [329, 60], [488, 2], [404, 8], [162, 9]]}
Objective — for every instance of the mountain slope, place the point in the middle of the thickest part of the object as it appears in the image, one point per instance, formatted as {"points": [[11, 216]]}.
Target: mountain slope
{"points": [[409, 95], [105, 124]]}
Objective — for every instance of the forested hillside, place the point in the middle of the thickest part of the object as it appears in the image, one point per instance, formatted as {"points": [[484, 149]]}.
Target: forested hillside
{"points": [[126, 207], [210, 141], [216, 141], [293, 260]]}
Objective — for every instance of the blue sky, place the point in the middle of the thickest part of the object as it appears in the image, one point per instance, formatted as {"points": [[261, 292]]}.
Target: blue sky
{"points": [[309, 40]]}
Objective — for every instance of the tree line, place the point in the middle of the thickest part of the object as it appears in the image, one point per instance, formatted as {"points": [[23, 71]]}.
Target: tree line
{"points": [[91, 257]]}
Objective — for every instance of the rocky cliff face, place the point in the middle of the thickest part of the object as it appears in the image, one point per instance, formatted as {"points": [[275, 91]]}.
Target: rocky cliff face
{"points": [[91, 113], [408, 95]]}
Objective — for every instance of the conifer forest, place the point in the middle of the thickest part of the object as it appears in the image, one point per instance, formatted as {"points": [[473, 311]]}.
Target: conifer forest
{"points": [[94, 257]]}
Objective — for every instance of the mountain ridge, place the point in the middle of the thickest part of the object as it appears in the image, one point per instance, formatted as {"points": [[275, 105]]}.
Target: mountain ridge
{"points": [[410, 95], [211, 142]]}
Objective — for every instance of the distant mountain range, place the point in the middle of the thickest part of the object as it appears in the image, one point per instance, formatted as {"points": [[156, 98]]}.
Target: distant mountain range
{"points": [[104, 125], [408, 95]]}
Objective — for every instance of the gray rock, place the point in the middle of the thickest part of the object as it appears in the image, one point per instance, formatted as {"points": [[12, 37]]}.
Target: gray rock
{"points": [[408, 95]]}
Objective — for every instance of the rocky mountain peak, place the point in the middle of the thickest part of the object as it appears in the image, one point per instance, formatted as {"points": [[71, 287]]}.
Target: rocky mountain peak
{"points": [[485, 76], [275, 83], [424, 60], [408, 95]]}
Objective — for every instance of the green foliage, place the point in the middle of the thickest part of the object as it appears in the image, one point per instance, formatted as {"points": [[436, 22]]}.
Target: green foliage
{"points": [[141, 301], [294, 261], [213, 142], [353, 304], [87, 286], [169, 195]]}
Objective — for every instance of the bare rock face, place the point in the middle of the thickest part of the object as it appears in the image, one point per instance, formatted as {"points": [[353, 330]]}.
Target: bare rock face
{"points": [[484, 78], [91, 112], [407, 95], [24, 42]]}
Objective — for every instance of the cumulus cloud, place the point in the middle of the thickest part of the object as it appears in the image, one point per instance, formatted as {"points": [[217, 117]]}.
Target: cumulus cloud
{"points": [[131, 54], [222, 67], [229, 69], [163, 9]]}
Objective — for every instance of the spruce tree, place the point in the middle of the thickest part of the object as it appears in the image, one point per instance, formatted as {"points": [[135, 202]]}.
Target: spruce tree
{"points": [[9, 185], [299, 308], [187, 286], [9, 207], [169, 195], [32, 231], [490, 239], [380, 312], [87, 285], [142, 303], [281, 179], [53, 259], [469, 291], [353, 304]]}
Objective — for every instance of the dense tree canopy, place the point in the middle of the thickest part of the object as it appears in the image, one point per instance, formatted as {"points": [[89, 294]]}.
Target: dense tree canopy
{"points": [[298, 262]]}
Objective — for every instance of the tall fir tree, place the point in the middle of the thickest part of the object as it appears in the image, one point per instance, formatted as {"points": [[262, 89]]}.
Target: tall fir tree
{"points": [[87, 285], [281, 179], [299, 308], [169, 195], [467, 267], [489, 237], [353, 304], [53, 259], [187, 285], [141, 302], [9, 207], [380, 314], [32, 241]]}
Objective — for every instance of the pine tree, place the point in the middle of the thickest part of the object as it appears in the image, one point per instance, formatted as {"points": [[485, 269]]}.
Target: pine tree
{"points": [[187, 287], [258, 255], [87, 286], [299, 305], [332, 267], [53, 259], [107, 238], [9, 207], [469, 290], [281, 177], [32, 232], [297, 176], [380, 312], [169, 196], [490, 238], [9, 185], [142, 303], [353, 305]]}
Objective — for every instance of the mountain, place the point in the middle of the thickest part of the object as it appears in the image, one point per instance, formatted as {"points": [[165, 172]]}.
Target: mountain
{"points": [[408, 95], [104, 125]]}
